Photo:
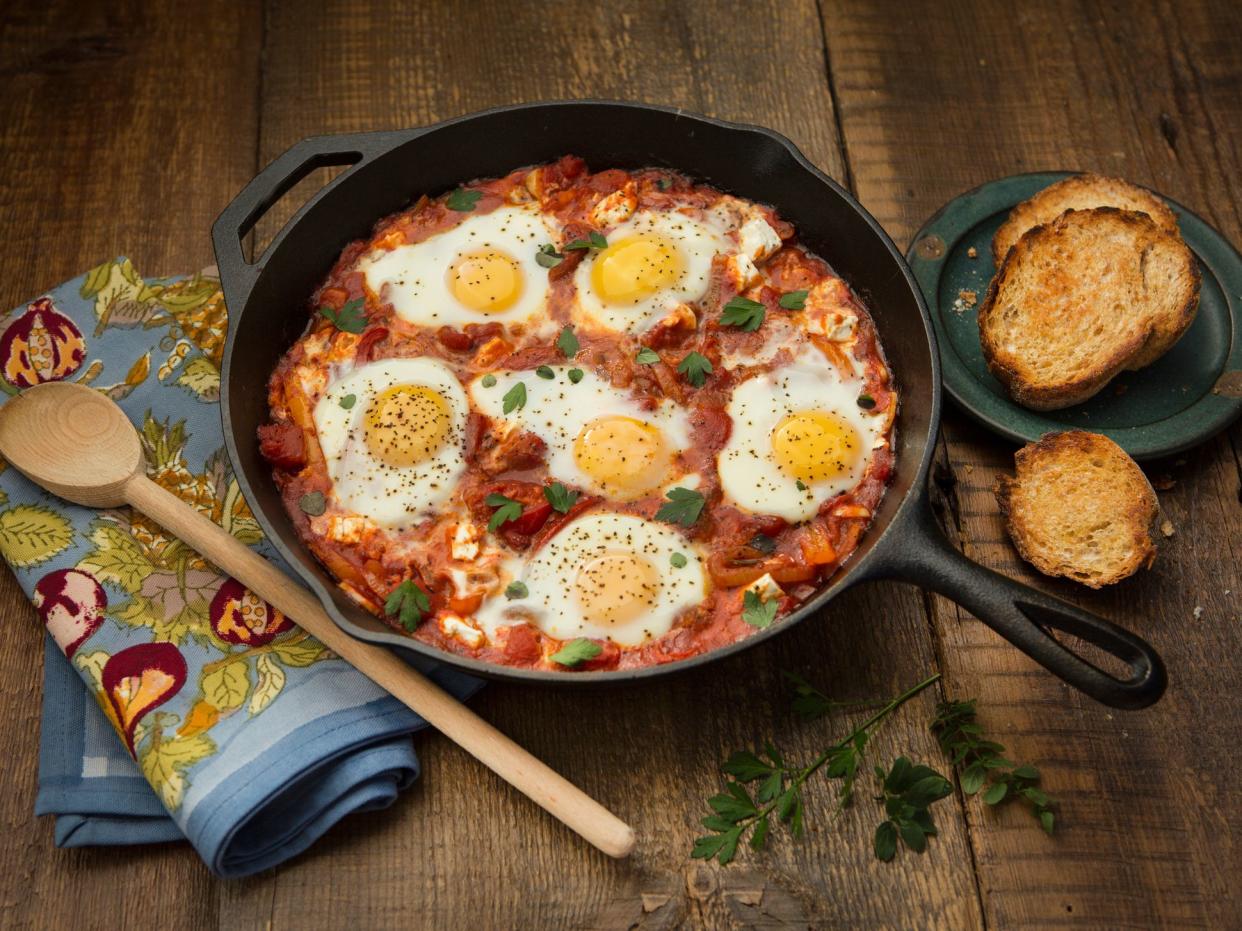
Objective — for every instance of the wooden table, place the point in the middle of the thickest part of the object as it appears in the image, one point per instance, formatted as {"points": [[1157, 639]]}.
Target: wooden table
{"points": [[127, 130]]}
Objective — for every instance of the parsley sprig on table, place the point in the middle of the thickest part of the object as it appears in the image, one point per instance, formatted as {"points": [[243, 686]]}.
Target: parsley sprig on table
{"points": [[735, 813], [907, 790], [982, 763]]}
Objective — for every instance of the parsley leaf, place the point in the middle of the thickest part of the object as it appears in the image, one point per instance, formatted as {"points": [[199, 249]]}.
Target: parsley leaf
{"points": [[506, 510], [647, 356], [743, 312], [462, 200], [516, 589], [351, 318], [664, 183], [678, 560], [763, 543], [577, 651], [568, 343], [793, 300], [696, 367], [408, 603], [908, 792], [684, 507], [756, 612], [575, 375], [594, 241], [348, 401], [560, 497], [800, 485], [515, 398], [488, 380], [313, 503], [548, 257], [545, 371]]}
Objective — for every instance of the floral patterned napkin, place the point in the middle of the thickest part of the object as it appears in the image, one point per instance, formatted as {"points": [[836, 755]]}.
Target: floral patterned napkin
{"points": [[214, 718]]}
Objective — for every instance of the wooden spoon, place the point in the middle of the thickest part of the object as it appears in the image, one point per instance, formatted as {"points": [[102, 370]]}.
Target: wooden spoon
{"points": [[79, 444]]}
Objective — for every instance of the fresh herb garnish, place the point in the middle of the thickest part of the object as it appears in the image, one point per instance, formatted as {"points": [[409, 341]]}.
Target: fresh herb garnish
{"points": [[678, 560], [350, 318], [982, 762], [793, 300], [683, 507], [800, 485], [696, 367], [506, 510], [545, 371], [548, 257], [489, 380], [560, 497], [516, 589], [763, 543], [575, 375], [664, 183], [568, 343], [743, 312], [866, 402], [462, 200], [594, 241], [908, 790], [577, 651], [348, 401], [756, 612], [313, 503], [408, 603], [736, 812], [515, 398], [647, 356]]}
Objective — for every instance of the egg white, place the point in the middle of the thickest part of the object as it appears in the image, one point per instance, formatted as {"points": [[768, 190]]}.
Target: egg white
{"points": [[697, 242], [391, 497], [550, 575], [556, 411], [750, 475], [415, 278]]}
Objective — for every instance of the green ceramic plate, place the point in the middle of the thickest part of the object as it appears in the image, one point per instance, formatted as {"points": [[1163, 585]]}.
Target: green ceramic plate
{"points": [[1191, 393]]}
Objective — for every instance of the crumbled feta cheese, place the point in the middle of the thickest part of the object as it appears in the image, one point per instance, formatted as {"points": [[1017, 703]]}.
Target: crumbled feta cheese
{"points": [[765, 587], [345, 528], [744, 271], [465, 541], [758, 239], [832, 324], [454, 626], [616, 208]]}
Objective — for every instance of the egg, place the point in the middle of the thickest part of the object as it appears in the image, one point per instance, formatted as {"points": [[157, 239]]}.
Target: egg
{"points": [[653, 262], [481, 270], [604, 576], [392, 434], [597, 436], [798, 438]]}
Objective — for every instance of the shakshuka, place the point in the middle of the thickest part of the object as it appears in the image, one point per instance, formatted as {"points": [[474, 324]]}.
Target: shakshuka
{"points": [[574, 420]]}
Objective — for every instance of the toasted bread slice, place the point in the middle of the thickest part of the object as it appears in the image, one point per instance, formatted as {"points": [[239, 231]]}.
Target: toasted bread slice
{"points": [[1080, 508], [1079, 192], [1082, 298]]}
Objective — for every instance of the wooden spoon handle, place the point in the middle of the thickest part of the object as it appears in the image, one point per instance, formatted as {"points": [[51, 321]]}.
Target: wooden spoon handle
{"points": [[493, 749]]}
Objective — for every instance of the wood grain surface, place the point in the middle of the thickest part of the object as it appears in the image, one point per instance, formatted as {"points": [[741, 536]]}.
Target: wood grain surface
{"points": [[127, 126]]}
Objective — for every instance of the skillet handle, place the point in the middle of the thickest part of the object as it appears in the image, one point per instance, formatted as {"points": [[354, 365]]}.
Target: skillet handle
{"points": [[237, 275], [1025, 616]]}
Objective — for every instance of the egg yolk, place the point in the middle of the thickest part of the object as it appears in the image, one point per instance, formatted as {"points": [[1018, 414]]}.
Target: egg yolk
{"points": [[636, 267], [814, 446], [486, 280], [616, 588], [625, 456], [406, 425]]}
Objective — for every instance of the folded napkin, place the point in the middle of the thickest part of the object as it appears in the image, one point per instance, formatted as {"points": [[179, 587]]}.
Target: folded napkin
{"points": [[176, 703]]}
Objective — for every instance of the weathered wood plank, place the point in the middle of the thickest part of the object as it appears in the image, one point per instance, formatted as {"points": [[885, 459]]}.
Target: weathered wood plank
{"points": [[123, 127], [463, 850], [1149, 92]]}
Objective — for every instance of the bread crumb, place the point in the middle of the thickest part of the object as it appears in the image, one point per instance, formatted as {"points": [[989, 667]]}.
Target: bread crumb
{"points": [[969, 468], [1167, 528], [965, 301], [972, 253], [1198, 612]]}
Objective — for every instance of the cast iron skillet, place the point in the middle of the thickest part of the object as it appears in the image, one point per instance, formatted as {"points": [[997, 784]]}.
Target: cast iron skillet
{"points": [[267, 313]]}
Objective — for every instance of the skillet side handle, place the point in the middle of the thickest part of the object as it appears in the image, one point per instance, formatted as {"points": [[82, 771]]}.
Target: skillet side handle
{"points": [[1025, 616], [238, 275]]}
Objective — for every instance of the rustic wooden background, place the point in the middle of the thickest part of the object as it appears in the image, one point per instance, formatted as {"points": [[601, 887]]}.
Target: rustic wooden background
{"points": [[126, 126]]}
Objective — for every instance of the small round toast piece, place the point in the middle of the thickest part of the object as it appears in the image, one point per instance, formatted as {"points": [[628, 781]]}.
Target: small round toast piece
{"points": [[1079, 192], [1082, 298], [1080, 508]]}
